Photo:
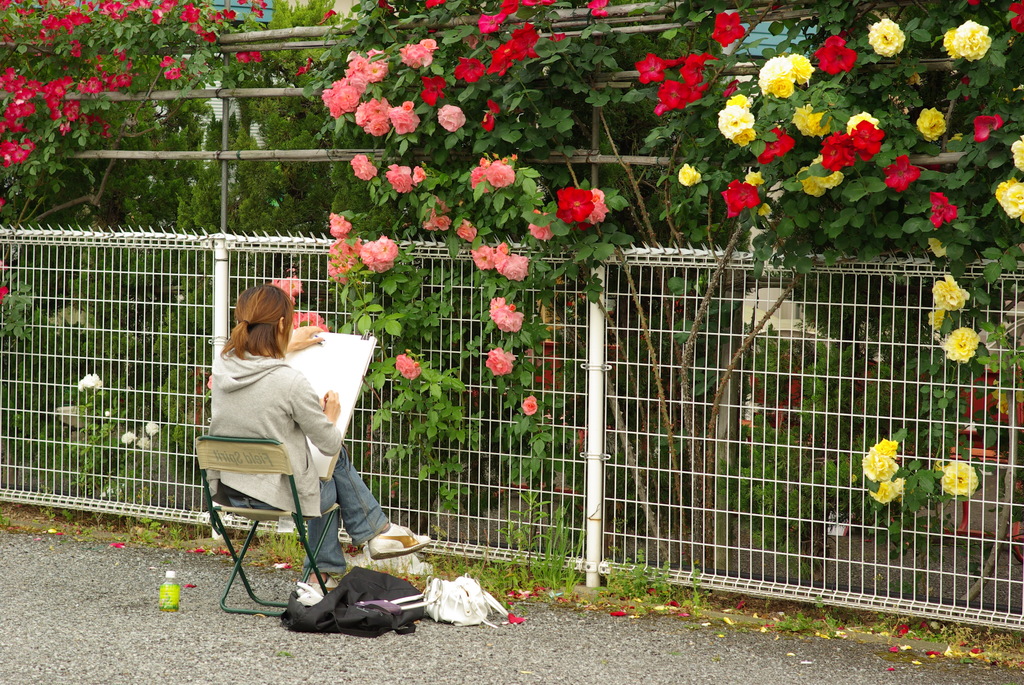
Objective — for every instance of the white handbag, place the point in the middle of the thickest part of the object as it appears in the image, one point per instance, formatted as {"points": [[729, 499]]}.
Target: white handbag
{"points": [[461, 601]]}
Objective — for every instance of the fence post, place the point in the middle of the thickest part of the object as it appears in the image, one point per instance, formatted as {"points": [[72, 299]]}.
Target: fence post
{"points": [[596, 366], [221, 296]]}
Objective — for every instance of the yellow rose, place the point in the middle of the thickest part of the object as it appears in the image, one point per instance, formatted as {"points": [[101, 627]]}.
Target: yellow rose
{"points": [[887, 448], [801, 69], [1011, 198], [745, 137], [948, 44], [817, 185], [733, 120], [738, 100], [809, 123], [936, 318], [879, 467], [961, 345], [937, 248], [754, 178], [1018, 153], [931, 123], [857, 118], [959, 478], [764, 210], [689, 176], [888, 490], [970, 40], [949, 295], [776, 77], [886, 38], [914, 80]]}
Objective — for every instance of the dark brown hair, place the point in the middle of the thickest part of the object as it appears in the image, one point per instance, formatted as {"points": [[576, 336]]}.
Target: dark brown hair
{"points": [[257, 331]]}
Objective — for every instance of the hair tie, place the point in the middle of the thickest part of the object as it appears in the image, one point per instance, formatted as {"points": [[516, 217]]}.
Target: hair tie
{"points": [[245, 322]]}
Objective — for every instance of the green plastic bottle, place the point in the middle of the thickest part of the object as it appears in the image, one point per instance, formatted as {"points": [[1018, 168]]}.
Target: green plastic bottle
{"points": [[170, 592]]}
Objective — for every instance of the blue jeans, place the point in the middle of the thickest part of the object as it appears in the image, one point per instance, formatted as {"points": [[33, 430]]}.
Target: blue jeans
{"points": [[358, 508]]}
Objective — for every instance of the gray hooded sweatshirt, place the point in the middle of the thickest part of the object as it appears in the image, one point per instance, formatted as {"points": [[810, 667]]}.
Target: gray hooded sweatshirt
{"points": [[263, 397]]}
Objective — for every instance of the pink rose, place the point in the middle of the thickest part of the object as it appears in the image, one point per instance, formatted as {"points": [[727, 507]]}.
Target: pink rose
{"points": [[478, 174], [309, 319], [600, 208], [363, 167], [466, 231], [377, 70], [340, 226], [291, 286], [500, 362], [404, 118], [437, 222], [342, 97], [419, 54], [379, 255], [514, 267], [372, 116], [400, 178], [483, 257], [499, 174], [505, 315], [358, 72], [541, 232], [499, 255], [407, 366], [418, 175], [451, 118], [341, 258], [530, 405]]}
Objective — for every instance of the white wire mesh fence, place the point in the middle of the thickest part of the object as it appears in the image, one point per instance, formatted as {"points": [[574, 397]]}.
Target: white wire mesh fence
{"points": [[768, 497]]}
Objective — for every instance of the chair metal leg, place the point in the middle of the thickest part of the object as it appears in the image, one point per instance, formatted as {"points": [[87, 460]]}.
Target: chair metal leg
{"points": [[238, 571]]}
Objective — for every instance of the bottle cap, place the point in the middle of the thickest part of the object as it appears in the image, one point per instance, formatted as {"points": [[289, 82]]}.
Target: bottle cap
{"points": [[170, 574]]}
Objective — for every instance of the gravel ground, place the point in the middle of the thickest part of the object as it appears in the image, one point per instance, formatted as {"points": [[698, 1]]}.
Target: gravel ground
{"points": [[84, 612]]}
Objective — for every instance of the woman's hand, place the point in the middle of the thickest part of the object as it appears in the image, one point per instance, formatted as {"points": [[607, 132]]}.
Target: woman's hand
{"points": [[303, 337], [332, 406]]}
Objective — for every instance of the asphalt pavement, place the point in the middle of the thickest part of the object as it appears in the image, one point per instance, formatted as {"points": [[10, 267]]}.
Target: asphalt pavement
{"points": [[84, 612]]}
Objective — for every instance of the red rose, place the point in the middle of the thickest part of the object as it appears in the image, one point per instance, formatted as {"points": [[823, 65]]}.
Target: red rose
{"points": [[942, 211], [778, 148], [739, 196], [867, 140], [834, 56], [651, 68], [727, 28], [984, 125], [837, 152], [470, 69], [433, 89], [574, 205], [901, 173]]}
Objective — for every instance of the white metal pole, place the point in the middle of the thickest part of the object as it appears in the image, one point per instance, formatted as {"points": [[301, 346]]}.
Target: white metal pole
{"points": [[221, 295], [595, 455]]}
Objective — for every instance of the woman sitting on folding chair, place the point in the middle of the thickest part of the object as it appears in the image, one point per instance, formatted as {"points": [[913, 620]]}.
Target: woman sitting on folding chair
{"points": [[257, 395]]}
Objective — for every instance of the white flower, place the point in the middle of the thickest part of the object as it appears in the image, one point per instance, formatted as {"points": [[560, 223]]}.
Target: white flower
{"points": [[91, 382], [106, 413], [143, 443], [128, 438], [152, 428]]}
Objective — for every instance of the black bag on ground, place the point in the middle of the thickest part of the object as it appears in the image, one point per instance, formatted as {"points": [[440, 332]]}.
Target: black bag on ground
{"points": [[337, 611]]}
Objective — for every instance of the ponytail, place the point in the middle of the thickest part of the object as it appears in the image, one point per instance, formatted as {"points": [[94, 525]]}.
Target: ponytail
{"points": [[258, 314]]}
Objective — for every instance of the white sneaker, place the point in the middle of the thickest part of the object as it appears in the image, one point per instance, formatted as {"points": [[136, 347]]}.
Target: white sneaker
{"points": [[394, 542]]}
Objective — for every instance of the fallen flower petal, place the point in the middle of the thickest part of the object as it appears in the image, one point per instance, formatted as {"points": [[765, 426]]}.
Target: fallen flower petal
{"points": [[197, 550], [189, 585], [116, 545], [283, 565], [894, 648], [617, 613], [513, 619], [891, 668], [933, 653]]}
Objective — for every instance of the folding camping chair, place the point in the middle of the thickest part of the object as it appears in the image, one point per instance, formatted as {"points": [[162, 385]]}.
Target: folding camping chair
{"points": [[253, 455]]}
